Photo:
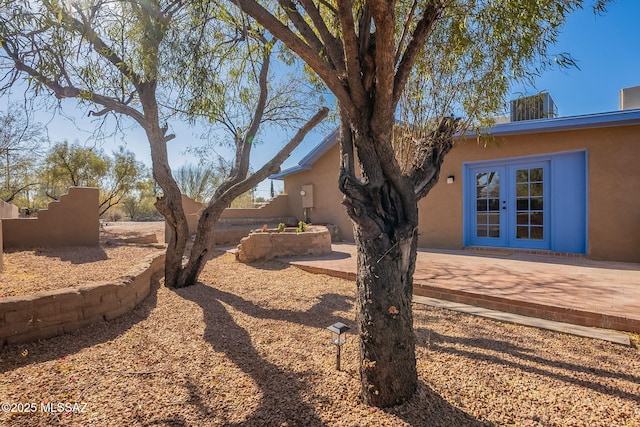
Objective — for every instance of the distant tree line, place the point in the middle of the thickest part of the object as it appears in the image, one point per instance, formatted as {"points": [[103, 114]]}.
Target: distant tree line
{"points": [[36, 172]]}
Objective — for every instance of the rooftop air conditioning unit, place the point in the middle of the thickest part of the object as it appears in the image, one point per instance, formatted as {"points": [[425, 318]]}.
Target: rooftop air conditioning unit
{"points": [[533, 107], [630, 98]]}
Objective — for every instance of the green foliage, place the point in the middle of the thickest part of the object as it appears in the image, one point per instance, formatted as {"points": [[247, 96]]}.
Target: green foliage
{"points": [[479, 49], [21, 146], [302, 227], [199, 182], [73, 165], [138, 205], [281, 227]]}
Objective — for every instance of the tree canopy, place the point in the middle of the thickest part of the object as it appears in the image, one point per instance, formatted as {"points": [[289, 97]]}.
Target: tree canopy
{"points": [[73, 165], [439, 65]]}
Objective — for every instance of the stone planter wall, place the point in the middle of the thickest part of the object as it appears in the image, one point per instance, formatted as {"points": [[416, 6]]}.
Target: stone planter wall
{"points": [[271, 244], [48, 314]]}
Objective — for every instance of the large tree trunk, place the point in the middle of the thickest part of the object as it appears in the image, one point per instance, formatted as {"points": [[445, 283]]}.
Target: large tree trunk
{"points": [[384, 212], [387, 344], [203, 244]]}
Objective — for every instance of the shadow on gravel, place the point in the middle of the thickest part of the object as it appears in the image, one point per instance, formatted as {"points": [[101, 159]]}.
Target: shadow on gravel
{"points": [[281, 390], [70, 254], [555, 369], [74, 341], [427, 408]]}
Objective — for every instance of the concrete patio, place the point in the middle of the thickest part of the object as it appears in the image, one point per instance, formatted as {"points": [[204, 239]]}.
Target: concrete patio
{"points": [[565, 289]]}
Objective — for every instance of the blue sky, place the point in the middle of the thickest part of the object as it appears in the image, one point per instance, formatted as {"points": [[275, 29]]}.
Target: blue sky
{"points": [[606, 48]]}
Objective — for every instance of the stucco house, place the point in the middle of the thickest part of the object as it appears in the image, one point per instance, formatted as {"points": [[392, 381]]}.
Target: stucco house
{"points": [[567, 185]]}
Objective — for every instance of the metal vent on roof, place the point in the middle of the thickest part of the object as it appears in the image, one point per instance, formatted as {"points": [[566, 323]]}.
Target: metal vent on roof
{"points": [[534, 107]]}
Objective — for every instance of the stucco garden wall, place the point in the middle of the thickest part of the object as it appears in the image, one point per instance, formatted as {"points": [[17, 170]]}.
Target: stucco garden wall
{"points": [[8, 210], [277, 207], [48, 314], [71, 221], [234, 224], [272, 244]]}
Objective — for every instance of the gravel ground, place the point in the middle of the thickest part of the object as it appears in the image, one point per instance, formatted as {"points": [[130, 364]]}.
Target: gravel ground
{"points": [[247, 346], [45, 269]]}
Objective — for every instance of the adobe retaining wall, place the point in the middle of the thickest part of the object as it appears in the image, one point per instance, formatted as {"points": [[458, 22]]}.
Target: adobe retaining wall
{"points": [[70, 221], [48, 314]]}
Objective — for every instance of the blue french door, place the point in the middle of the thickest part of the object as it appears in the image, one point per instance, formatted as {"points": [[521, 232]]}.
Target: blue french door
{"points": [[509, 205]]}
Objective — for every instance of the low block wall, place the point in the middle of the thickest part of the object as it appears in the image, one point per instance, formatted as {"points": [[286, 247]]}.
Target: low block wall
{"points": [[272, 244], [71, 221], [48, 314]]}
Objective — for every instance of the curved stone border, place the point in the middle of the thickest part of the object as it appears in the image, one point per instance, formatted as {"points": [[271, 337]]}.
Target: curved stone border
{"points": [[269, 244], [51, 313]]}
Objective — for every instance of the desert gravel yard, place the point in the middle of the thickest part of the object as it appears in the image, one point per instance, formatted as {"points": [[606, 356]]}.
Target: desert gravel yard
{"points": [[248, 346]]}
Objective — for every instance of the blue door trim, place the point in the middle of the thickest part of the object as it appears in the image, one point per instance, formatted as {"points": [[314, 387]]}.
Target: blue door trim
{"points": [[565, 202]]}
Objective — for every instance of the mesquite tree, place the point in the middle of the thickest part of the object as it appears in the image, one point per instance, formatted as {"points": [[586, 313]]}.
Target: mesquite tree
{"points": [[439, 66], [118, 58]]}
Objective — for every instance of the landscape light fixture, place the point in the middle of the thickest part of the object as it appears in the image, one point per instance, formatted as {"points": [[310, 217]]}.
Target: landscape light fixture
{"points": [[338, 338]]}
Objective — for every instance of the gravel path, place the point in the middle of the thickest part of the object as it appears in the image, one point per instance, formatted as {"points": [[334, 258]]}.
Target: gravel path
{"points": [[247, 346]]}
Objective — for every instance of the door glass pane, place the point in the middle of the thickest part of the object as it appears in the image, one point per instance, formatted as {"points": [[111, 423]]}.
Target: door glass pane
{"points": [[522, 175], [522, 232], [537, 204], [530, 204], [487, 200], [537, 218], [522, 190], [536, 189], [494, 218], [522, 204], [522, 218], [535, 174], [536, 233]]}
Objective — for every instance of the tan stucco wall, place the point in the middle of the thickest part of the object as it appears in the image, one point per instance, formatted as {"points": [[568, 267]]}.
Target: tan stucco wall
{"points": [[613, 156], [70, 221], [613, 179], [277, 207], [327, 198], [8, 210]]}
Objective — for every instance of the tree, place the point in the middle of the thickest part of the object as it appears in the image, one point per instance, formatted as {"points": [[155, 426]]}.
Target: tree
{"points": [[72, 165], [127, 58], [21, 143], [450, 62], [139, 203], [199, 182]]}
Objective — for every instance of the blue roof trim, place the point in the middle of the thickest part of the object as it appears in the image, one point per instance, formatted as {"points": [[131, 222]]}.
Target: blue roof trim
{"points": [[588, 121], [614, 118], [308, 160]]}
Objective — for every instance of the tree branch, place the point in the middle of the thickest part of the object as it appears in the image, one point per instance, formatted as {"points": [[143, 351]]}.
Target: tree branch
{"points": [[416, 44], [273, 165], [305, 52], [332, 45]]}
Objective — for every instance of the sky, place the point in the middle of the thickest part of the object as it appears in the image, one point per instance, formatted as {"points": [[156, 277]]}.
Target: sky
{"points": [[606, 48]]}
